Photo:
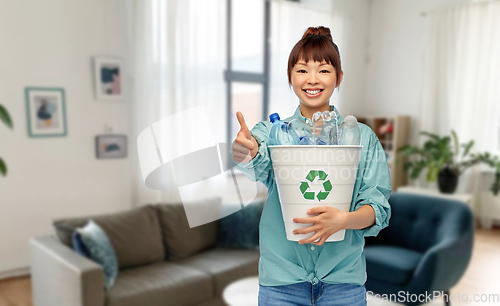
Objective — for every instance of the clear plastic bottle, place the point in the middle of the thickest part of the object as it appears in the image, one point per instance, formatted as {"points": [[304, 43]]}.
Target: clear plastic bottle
{"points": [[303, 131], [349, 132], [281, 133], [305, 141], [325, 128]]}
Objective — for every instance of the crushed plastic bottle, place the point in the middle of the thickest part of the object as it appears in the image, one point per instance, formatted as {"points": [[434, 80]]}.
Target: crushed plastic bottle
{"points": [[305, 141], [281, 132], [301, 128], [349, 131], [325, 128]]}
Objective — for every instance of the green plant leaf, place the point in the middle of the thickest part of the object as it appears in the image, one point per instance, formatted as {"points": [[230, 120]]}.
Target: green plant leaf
{"points": [[445, 140], [433, 136], [5, 117], [403, 148], [432, 174], [441, 161], [415, 173], [407, 166], [467, 147], [417, 168], [410, 150], [455, 142], [3, 167], [429, 145]]}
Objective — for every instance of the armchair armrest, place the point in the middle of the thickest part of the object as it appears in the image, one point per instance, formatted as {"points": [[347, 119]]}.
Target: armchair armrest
{"points": [[61, 276], [443, 265]]}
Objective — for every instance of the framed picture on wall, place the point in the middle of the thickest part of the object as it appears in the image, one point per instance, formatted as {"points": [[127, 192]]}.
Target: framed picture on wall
{"points": [[108, 72], [46, 112], [111, 146]]}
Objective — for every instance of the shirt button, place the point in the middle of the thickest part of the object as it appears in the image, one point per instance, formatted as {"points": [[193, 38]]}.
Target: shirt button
{"points": [[312, 248]]}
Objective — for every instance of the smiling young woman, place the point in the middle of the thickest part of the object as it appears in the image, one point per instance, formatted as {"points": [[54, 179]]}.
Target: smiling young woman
{"points": [[314, 70], [314, 83], [312, 272]]}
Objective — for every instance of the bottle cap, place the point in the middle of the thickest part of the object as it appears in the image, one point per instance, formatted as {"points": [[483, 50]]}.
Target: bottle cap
{"points": [[350, 119], [273, 117]]}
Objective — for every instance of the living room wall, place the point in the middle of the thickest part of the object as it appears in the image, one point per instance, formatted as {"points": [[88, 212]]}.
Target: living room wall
{"points": [[51, 43]]}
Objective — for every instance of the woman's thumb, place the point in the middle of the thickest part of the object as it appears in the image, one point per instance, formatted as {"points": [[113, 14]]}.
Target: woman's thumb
{"points": [[242, 122]]}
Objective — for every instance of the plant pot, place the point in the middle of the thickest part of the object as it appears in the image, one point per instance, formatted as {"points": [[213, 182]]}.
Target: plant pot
{"points": [[447, 180], [496, 185]]}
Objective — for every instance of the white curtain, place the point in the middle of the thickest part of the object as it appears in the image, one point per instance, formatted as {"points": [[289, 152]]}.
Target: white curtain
{"points": [[461, 75], [289, 21], [461, 78], [176, 61]]}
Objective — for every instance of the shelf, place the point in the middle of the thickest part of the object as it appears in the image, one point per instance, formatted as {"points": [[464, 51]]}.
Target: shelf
{"points": [[391, 140]]}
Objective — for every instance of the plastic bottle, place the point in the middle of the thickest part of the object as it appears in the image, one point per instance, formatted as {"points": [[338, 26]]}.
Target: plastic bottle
{"points": [[349, 132], [281, 133], [331, 130], [325, 128], [305, 141], [303, 131]]}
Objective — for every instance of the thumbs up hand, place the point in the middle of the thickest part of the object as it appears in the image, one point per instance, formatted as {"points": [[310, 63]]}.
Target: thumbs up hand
{"points": [[245, 147]]}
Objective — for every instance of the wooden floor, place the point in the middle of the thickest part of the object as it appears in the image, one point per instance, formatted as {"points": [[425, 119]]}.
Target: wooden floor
{"points": [[481, 277], [15, 292], [483, 274]]}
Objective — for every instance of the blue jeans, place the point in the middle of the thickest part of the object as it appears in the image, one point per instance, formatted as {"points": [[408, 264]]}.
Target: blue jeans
{"points": [[320, 294]]}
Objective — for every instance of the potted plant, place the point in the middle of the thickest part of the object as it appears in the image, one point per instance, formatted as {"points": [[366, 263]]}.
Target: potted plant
{"points": [[5, 118], [445, 160]]}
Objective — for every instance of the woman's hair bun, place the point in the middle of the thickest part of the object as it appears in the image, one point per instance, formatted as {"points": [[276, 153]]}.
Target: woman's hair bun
{"points": [[320, 31]]}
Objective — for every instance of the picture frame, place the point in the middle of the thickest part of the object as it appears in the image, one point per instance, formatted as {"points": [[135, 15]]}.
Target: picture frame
{"points": [[108, 80], [46, 111], [111, 146]]}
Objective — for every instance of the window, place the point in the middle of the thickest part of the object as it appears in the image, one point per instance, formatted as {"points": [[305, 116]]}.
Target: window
{"points": [[247, 98], [247, 73]]}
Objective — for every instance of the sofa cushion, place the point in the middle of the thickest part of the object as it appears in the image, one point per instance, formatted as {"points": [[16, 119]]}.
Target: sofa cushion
{"points": [[179, 239], [391, 264], [100, 250], [224, 265], [241, 229], [160, 284], [134, 234]]}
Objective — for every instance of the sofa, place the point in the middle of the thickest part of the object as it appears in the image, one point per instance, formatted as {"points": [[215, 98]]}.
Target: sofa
{"points": [[162, 261]]}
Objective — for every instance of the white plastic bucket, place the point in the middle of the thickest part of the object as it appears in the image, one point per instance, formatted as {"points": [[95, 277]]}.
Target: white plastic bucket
{"points": [[312, 176]]}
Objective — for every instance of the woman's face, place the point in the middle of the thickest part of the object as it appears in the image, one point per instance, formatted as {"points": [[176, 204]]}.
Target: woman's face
{"points": [[314, 83]]}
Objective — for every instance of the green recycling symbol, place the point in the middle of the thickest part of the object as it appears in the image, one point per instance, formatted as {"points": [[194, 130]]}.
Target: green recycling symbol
{"points": [[311, 176]]}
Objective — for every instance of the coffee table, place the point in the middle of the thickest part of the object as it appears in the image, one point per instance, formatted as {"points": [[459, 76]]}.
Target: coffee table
{"points": [[243, 292]]}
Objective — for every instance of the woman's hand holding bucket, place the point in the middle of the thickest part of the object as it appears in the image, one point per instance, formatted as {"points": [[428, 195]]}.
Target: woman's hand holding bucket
{"points": [[328, 221], [331, 220], [245, 147]]}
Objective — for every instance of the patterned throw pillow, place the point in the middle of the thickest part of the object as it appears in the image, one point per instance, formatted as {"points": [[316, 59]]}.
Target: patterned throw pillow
{"points": [[240, 230], [78, 245], [100, 250]]}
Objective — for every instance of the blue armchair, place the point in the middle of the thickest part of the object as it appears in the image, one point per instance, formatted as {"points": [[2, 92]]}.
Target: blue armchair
{"points": [[426, 247]]}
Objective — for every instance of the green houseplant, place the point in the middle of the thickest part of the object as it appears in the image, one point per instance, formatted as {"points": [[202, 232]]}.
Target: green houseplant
{"points": [[445, 159], [5, 118]]}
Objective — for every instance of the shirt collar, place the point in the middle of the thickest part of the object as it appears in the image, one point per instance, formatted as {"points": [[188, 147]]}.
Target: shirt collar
{"points": [[298, 115]]}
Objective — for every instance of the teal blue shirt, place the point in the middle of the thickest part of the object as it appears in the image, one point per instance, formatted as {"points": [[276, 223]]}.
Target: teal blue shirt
{"points": [[284, 262]]}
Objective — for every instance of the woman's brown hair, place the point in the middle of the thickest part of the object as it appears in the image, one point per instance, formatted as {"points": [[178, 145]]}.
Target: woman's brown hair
{"points": [[317, 45]]}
